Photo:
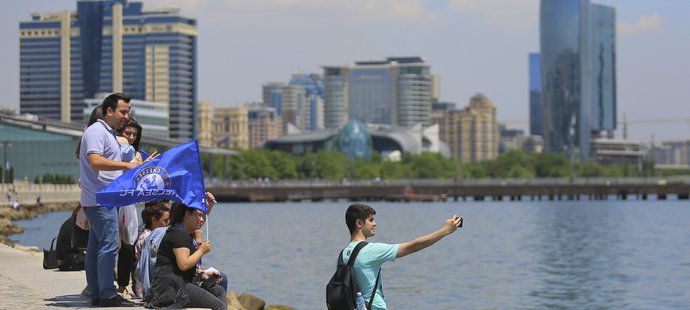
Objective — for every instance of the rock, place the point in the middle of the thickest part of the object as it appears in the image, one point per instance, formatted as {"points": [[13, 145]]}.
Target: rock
{"points": [[233, 302], [279, 307], [32, 248], [251, 302]]}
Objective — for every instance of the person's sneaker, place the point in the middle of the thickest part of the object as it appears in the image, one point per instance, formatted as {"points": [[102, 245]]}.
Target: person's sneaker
{"points": [[96, 302], [117, 301], [85, 294]]}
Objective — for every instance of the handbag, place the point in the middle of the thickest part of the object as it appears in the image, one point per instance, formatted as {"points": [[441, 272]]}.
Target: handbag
{"points": [[50, 260]]}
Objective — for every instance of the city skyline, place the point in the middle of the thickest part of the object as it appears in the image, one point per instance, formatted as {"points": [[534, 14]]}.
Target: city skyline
{"points": [[269, 40]]}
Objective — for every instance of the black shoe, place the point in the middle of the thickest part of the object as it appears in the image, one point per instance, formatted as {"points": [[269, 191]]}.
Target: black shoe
{"points": [[117, 301], [95, 301]]}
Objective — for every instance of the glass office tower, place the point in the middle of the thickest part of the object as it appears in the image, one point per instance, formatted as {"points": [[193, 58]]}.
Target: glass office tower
{"points": [[603, 69], [566, 76], [578, 72], [109, 46], [536, 110]]}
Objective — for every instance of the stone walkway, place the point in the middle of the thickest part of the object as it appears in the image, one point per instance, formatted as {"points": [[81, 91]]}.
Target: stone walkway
{"points": [[24, 284]]}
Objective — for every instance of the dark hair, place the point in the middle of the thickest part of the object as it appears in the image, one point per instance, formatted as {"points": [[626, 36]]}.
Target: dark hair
{"points": [[177, 212], [153, 209], [357, 211], [96, 114], [112, 100], [134, 124]]}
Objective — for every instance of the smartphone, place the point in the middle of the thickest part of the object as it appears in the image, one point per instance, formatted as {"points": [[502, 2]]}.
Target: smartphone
{"points": [[460, 225]]}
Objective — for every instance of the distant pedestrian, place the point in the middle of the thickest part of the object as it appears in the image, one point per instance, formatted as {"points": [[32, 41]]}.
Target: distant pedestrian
{"points": [[16, 206], [9, 197], [38, 201]]}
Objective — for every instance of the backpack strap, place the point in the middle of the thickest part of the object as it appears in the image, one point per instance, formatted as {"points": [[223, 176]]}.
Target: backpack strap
{"points": [[373, 293], [355, 252]]}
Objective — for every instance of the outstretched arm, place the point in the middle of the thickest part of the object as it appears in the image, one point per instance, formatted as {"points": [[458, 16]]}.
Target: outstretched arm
{"points": [[449, 227]]}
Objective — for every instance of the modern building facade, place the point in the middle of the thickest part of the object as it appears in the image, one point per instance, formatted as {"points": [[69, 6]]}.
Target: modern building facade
{"points": [[612, 151], [396, 91], [310, 115], [290, 102], [604, 119], [672, 154], [358, 140], [536, 110], [263, 122], [577, 66], [109, 46], [34, 146]]}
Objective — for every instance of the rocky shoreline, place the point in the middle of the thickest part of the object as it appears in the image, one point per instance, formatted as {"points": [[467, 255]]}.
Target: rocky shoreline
{"points": [[8, 215]]}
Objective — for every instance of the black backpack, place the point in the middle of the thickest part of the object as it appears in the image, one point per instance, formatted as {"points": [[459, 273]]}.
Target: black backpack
{"points": [[342, 289]]}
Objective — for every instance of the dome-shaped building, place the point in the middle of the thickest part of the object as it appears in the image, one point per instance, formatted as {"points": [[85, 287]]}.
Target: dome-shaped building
{"points": [[354, 140]]}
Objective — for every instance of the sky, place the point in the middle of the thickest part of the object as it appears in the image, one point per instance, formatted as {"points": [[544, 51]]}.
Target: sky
{"points": [[475, 46]]}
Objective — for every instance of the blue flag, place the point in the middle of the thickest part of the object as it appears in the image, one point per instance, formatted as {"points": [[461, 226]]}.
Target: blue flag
{"points": [[174, 175], [144, 155]]}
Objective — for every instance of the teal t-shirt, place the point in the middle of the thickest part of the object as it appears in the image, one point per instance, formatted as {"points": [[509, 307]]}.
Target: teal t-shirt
{"points": [[367, 266]]}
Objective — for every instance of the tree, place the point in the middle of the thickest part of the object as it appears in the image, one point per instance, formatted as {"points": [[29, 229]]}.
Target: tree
{"points": [[283, 164], [330, 165], [366, 169], [257, 164]]}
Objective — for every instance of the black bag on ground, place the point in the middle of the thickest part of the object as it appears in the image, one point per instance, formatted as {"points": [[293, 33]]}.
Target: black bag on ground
{"points": [[342, 289], [73, 262], [50, 257]]}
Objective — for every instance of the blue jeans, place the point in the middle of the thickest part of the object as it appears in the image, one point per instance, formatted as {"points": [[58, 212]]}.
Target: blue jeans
{"points": [[101, 251]]}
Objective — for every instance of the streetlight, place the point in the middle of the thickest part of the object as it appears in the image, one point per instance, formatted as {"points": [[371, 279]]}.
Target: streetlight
{"points": [[5, 144]]}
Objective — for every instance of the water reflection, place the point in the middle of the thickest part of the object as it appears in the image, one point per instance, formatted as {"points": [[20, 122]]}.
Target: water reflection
{"points": [[579, 257]]}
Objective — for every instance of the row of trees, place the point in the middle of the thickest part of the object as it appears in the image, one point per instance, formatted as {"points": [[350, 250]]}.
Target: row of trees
{"points": [[277, 165], [49, 178]]}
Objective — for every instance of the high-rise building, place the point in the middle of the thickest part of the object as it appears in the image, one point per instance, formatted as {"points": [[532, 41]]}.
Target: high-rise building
{"points": [[290, 103], [577, 73], [263, 124], [395, 91], [478, 135], [603, 70], [310, 114], [536, 110], [109, 46]]}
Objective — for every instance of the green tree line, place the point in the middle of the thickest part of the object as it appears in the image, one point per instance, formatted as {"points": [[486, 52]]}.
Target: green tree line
{"points": [[48, 178], [325, 165]]}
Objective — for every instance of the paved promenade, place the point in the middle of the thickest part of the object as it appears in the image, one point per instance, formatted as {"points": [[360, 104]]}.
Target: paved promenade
{"points": [[24, 284]]}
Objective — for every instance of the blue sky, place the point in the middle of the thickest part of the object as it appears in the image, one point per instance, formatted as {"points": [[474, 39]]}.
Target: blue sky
{"points": [[476, 46]]}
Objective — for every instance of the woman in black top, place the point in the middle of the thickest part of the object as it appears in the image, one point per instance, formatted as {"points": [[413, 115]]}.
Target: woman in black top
{"points": [[176, 283]]}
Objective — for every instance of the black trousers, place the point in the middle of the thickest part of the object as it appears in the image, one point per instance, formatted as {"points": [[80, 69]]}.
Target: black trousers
{"points": [[214, 298], [125, 264]]}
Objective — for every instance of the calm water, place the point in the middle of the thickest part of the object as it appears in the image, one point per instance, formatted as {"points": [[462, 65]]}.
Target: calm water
{"points": [[510, 255]]}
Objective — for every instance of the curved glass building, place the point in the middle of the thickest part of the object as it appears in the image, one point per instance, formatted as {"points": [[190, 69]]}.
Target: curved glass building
{"points": [[354, 140]]}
